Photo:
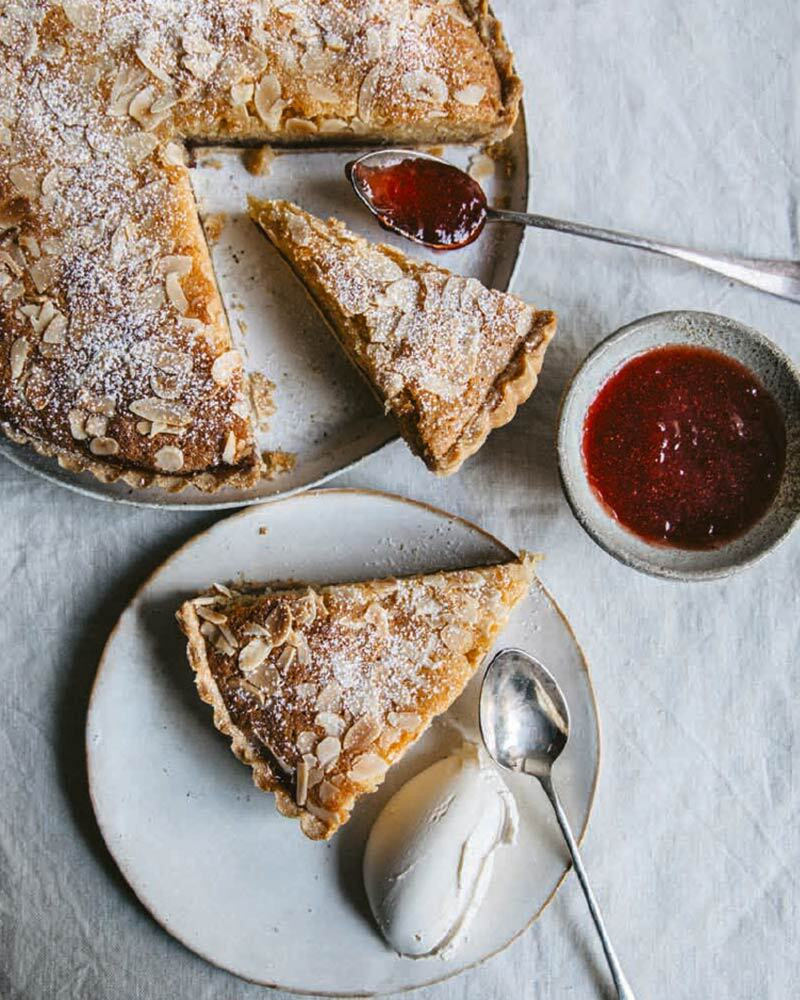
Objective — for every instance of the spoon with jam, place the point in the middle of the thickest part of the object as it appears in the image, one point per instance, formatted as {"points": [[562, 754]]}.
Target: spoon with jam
{"points": [[432, 202]]}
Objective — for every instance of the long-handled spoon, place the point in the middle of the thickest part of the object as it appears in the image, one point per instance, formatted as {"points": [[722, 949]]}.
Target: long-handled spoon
{"points": [[525, 725], [435, 203]]}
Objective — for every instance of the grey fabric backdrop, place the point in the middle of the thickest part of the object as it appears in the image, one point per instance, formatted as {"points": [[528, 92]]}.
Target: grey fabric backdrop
{"points": [[677, 118]]}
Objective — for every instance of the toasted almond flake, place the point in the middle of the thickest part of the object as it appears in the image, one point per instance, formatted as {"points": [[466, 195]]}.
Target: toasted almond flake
{"points": [[405, 721], [364, 731], [173, 154], [96, 425], [374, 43], [388, 738], [367, 93], [225, 366], [13, 291], [31, 244], [329, 698], [301, 126], [267, 93], [25, 181], [160, 411], [241, 93], [376, 616], [328, 794], [172, 285], [267, 679], [286, 659], [139, 108], [253, 654], [147, 60], [422, 85], [367, 769], [322, 93], [207, 601], [305, 610], [457, 639], [180, 264], [43, 273], [209, 631], [255, 629], [83, 16], [325, 815], [256, 692], [330, 723], [229, 451], [104, 446], [169, 458], [140, 145], [18, 354], [229, 636], [306, 741], [328, 750], [301, 789], [279, 623], [56, 330], [77, 424], [210, 614], [471, 95], [6, 260], [333, 125]]}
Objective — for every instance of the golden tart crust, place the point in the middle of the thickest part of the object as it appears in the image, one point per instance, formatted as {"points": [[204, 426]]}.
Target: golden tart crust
{"points": [[321, 689], [115, 354], [449, 358]]}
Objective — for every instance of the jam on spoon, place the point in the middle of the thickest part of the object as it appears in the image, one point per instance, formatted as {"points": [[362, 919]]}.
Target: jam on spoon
{"points": [[422, 198], [685, 447]]}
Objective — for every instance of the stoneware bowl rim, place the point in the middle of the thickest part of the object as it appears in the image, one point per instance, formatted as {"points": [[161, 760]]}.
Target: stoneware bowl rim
{"points": [[703, 329]]}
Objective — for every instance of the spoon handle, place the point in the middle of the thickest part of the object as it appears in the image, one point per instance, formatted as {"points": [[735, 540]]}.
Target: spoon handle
{"points": [[778, 277], [624, 991]]}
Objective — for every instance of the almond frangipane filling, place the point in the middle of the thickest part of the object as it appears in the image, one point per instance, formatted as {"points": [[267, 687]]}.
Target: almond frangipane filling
{"points": [[322, 689]]}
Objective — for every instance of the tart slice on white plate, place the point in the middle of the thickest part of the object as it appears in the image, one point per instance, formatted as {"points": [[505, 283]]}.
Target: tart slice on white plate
{"points": [[321, 689], [449, 358]]}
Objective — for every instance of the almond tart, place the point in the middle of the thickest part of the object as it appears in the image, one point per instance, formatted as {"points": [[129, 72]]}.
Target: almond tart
{"points": [[115, 354], [449, 358], [321, 689]]}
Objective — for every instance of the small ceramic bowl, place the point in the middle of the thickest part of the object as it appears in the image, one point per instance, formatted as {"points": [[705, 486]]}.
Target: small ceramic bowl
{"points": [[773, 369]]}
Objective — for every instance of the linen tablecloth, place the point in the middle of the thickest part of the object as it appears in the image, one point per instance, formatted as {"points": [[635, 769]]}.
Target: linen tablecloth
{"points": [[673, 118]]}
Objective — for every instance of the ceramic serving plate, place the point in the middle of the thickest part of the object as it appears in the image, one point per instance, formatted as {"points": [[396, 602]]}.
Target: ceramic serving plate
{"points": [[326, 416], [208, 855]]}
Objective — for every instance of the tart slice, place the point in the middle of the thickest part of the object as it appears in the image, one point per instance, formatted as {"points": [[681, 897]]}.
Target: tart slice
{"points": [[321, 689], [449, 358]]}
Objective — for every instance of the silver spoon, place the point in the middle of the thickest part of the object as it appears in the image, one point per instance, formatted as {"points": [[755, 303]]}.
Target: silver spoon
{"points": [[524, 722], [778, 277]]}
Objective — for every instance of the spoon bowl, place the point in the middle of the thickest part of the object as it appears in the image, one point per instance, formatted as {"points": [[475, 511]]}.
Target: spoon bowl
{"points": [[524, 718]]}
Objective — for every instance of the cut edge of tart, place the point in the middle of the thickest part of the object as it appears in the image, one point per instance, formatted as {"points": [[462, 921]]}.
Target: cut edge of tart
{"points": [[450, 359], [321, 689]]}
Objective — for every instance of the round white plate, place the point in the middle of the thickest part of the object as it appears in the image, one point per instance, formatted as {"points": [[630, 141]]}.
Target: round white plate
{"points": [[207, 853], [325, 415]]}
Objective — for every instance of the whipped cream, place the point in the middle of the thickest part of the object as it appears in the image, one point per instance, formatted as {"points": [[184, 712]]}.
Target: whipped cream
{"points": [[430, 853]]}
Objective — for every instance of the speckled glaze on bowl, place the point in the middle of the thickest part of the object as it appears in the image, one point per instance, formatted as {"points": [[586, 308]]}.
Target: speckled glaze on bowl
{"points": [[700, 329]]}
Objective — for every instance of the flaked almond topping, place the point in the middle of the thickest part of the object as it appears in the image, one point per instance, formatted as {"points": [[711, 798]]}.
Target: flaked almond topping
{"points": [[254, 654], [172, 286], [329, 698], [209, 631], [300, 643], [229, 451], [267, 93], [300, 126], [77, 424], [286, 659], [31, 245], [301, 789], [362, 733], [253, 628], [388, 738], [325, 815], [82, 15], [251, 689], [279, 623], [207, 601], [25, 181], [104, 446], [305, 610], [422, 85], [43, 273], [306, 741], [328, 794], [18, 355], [169, 458], [406, 721], [322, 92], [266, 678], [139, 146], [367, 769], [173, 154], [149, 63], [229, 637], [159, 411], [315, 775], [376, 616], [367, 94], [241, 93], [56, 330], [471, 95], [222, 589], [330, 723], [180, 264], [139, 108], [6, 260], [96, 425], [210, 614], [333, 126], [457, 639], [225, 366], [328, 750], [166, 386]]}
